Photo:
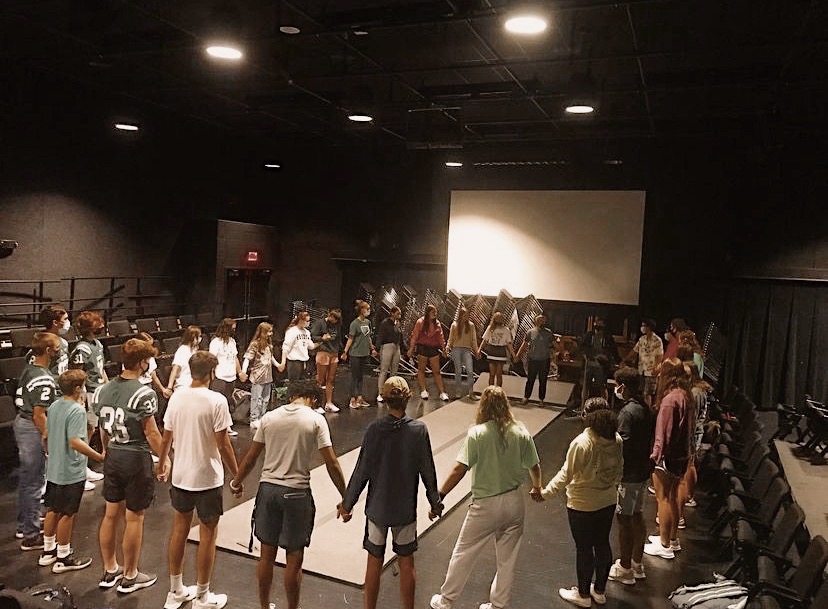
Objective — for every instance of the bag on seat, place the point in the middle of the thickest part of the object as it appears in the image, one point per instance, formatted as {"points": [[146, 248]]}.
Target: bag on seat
{"points": [[723, 594]]}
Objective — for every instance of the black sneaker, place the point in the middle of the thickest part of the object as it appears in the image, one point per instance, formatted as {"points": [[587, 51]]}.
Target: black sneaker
{"points": [[47, 557], [110, 579], [71, 563], [32, 543], [141, 580]]}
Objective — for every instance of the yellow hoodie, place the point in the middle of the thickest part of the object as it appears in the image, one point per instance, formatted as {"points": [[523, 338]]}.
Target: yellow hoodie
{"points": [[591, 472]]}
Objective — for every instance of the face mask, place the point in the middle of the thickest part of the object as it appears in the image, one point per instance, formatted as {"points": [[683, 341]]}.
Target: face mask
{"points": [[643, 329], [65, 327], [98, 331], [619, 393], [668, 337]]}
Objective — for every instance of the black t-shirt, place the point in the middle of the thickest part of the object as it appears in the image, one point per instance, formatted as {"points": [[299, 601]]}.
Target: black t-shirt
{"points": [[635, 426]]}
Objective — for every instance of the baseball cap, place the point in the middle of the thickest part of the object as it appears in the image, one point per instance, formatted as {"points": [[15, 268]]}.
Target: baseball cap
{"points": [[395, 387]]}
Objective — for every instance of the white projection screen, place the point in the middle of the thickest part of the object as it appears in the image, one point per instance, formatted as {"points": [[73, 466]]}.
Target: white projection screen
{"points": [[573, 245]]}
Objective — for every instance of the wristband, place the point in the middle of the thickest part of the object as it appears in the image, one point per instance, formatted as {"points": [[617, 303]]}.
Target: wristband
{"points": [[234, 488]]}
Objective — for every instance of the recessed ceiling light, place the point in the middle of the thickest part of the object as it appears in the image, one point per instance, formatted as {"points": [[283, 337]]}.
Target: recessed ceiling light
{"points": [[454, 164], [580, 109], [126, 127], [358, 117], [359, 32], [289, 29], [613, 162], [224, 52], [272, 166], [526, 24]]}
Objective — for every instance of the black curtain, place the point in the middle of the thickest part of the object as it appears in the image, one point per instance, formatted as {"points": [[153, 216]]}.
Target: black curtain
{"points": [[777, 341]]}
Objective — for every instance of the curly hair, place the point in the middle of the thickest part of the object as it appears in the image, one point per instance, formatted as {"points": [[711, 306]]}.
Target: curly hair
{"points": [[494, 406], [87, 322]]}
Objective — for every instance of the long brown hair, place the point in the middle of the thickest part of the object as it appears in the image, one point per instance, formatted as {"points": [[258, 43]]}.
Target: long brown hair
{"points": [[430, 324], [494, 406], [189, 335], [224, 331], [463, 321], [260, 338], [497, 320], [673, 375]]}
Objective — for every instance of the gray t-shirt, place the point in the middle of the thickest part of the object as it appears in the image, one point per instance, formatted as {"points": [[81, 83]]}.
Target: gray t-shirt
{"points": [[292, 434], [540, 343]]}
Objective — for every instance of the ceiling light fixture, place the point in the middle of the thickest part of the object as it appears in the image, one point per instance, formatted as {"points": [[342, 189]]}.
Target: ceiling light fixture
{"points": [[289, 29], [272, 166], [360, 117], [126, 127], [527, 24], [580, 109], [224, 52], [454, 164]]}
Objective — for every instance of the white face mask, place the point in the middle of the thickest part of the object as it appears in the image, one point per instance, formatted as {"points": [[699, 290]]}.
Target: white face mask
{"points": [[619, 393], [643, 329], [65, 327]]}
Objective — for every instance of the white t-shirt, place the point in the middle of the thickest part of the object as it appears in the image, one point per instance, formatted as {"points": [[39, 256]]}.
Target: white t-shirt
{"points": [[193, 415], [297, 343], [292, 434], [182, 358], [146, 378], [498, 336], [227, 354]]}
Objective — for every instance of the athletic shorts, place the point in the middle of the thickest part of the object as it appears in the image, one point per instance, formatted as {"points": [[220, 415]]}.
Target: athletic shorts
{"points": [[283, 516], [63, 498], [128, 477], [427, 351], [650, 383], [208, 503], [631, 498], [326, 358], [674, 467], [403, 538]]}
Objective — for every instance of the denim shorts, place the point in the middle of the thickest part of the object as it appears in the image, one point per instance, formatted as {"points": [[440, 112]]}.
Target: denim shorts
{"points": [[283, 516]]}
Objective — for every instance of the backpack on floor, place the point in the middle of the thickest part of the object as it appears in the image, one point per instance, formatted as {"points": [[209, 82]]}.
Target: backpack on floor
{"points": [[42, 596], [722, 594], [240, 406]]}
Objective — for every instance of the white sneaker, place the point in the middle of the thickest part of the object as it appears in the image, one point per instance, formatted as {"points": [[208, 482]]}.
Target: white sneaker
{"points": [[379, 399], [232, 432], [486, 606], [93, 475], [675, 544], [682, 523], [331, 407], [638, 570], [354, 405], [212, 601], [424, 394], [599, 597], [176, 599], [621, 575], [438, 602], [88, 486], [656, 549], [444, 396], [690, 502], [320, 410], [573, 596]]}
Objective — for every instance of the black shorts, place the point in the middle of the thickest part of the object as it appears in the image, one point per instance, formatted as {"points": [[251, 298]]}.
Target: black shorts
{"points": [[128, 477], [283, 516], [674, 467], [208, 503], [63, 498], [427, 351]]}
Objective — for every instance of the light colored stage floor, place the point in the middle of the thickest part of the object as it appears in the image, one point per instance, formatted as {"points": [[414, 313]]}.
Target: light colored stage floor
{"points": [[336, 548], [557, 392], [809, 487]]}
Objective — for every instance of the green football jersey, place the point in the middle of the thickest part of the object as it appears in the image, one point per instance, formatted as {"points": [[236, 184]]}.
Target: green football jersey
{"points": [[122, 405], [89, 357], [36, 387], [60, 360]]}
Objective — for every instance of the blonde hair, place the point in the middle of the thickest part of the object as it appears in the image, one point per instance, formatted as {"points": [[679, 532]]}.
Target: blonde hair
{"points": [[494, 406]]}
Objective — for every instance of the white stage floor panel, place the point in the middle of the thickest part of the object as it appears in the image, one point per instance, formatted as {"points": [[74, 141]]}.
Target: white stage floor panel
{"points": [[557, 392], [336, 548], [808, 483]]}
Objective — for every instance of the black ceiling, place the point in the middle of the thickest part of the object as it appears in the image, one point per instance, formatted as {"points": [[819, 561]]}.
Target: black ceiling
{"points": [[436, 74]]}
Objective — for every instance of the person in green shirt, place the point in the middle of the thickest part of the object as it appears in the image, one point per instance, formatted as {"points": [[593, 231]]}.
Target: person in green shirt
{"points": [[65, 473], [499, 451], [361, 346]]}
